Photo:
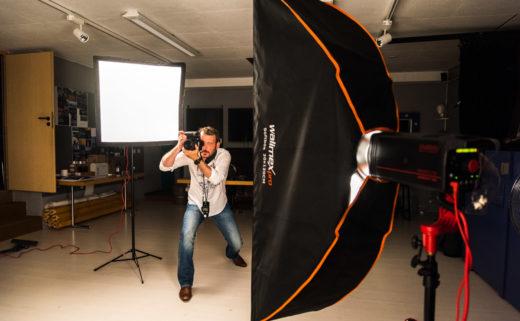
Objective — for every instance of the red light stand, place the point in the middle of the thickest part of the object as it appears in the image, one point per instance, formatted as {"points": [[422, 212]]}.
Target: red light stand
{"points": [[446, 223]]}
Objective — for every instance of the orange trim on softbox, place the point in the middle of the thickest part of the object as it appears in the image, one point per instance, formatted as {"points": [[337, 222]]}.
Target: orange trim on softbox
{"points": [[340, 224], [334, 62], [366, 31], [318, 267], [382, 59], [382, 244]]}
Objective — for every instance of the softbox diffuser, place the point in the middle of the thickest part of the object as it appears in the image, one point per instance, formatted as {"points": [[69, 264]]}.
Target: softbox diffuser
{"points": [[138, 103], [320, 84]]}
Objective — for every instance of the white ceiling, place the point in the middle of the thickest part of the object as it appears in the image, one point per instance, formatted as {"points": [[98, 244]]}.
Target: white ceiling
{"points": [[222, 30]]}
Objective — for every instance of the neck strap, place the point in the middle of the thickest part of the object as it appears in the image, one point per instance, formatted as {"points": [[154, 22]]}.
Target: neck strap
{"points": [[209, 159]]}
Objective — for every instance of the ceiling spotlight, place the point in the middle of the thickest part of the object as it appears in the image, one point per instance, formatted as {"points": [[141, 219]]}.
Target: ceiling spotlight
{"points": [[78, 32], [384, 39]]}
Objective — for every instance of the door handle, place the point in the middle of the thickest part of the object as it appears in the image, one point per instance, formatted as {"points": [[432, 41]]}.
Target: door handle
{"points": [[47, 119]]}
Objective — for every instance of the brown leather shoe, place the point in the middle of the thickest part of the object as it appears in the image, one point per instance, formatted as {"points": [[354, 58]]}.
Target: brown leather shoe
{"points": [[239, 261], [185, 293]]}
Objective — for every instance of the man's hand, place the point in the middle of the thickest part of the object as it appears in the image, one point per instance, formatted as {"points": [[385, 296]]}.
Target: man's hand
{"points": [[192, 154], [182, 139], [169, 158]]}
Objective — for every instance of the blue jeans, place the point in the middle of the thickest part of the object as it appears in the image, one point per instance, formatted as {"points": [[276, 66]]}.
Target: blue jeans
{"points": [[191, 222]]}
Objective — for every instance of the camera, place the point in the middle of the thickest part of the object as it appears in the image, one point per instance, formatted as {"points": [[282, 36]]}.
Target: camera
{"points": [[192, 140], [205, 209]]}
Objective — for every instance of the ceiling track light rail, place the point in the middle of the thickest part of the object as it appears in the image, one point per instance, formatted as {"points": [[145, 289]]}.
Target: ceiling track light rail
{"points": [[106, 31]]}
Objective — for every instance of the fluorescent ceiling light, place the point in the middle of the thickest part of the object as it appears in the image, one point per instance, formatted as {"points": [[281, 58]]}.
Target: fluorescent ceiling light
{"points": [[158, 31]]}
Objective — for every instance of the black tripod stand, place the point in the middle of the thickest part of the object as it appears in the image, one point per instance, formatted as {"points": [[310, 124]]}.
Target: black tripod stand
{"points": [[430, 274], [133, 250]]}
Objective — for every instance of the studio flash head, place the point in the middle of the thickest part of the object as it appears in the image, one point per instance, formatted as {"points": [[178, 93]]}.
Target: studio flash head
{"points": [[192, 140]]}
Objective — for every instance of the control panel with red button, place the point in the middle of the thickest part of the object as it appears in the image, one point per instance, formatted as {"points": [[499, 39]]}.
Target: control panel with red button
{"points": [[463, 166]]}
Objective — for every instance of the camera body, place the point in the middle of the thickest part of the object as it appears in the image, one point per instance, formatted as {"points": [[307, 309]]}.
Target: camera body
{"points": [[192, 140], [205, 209]]}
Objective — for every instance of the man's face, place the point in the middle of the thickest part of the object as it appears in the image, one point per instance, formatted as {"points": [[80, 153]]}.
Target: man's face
{"points": [[210, 145]]}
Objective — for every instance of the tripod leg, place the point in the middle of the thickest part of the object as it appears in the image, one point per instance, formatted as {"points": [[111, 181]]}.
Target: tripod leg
{"points": [[139, 269], [148, 254], [113, 260], [133, 250]]}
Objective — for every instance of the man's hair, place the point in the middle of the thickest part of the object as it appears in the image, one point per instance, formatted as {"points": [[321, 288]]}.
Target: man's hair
{"points": [[208, 130]]}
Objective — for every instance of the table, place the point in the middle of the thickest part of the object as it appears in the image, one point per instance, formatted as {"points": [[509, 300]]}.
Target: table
{"points": [[82, 182], [229, 183]]}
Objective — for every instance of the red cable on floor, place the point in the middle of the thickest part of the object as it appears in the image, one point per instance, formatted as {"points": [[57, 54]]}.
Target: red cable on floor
{"points": [[463, 228], [76, 252], [76, 248]]}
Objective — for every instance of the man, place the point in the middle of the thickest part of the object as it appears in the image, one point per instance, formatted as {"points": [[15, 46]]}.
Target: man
{"points": [[208, 169]]}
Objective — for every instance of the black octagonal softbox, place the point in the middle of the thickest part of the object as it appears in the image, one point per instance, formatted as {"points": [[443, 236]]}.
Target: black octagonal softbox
{"points": [[320, 84]]}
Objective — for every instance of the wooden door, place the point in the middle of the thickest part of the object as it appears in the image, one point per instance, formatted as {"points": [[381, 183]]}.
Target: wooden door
{"points": [[29, 122]]}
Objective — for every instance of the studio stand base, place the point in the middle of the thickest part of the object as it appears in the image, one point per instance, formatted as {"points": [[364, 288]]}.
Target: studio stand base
{"points": [[134, 258], [80, 226], [133, 250]]}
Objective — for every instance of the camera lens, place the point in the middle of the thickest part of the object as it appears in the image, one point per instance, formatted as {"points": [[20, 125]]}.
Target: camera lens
{"points": [[189, 145]]}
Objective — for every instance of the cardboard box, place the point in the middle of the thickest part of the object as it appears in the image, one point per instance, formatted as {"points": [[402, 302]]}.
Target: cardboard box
{"points": [[99, 169], [97, 158]]}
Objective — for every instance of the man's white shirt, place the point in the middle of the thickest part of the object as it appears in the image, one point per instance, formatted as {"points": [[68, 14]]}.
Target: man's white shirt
{"points": [[216, 183]]}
